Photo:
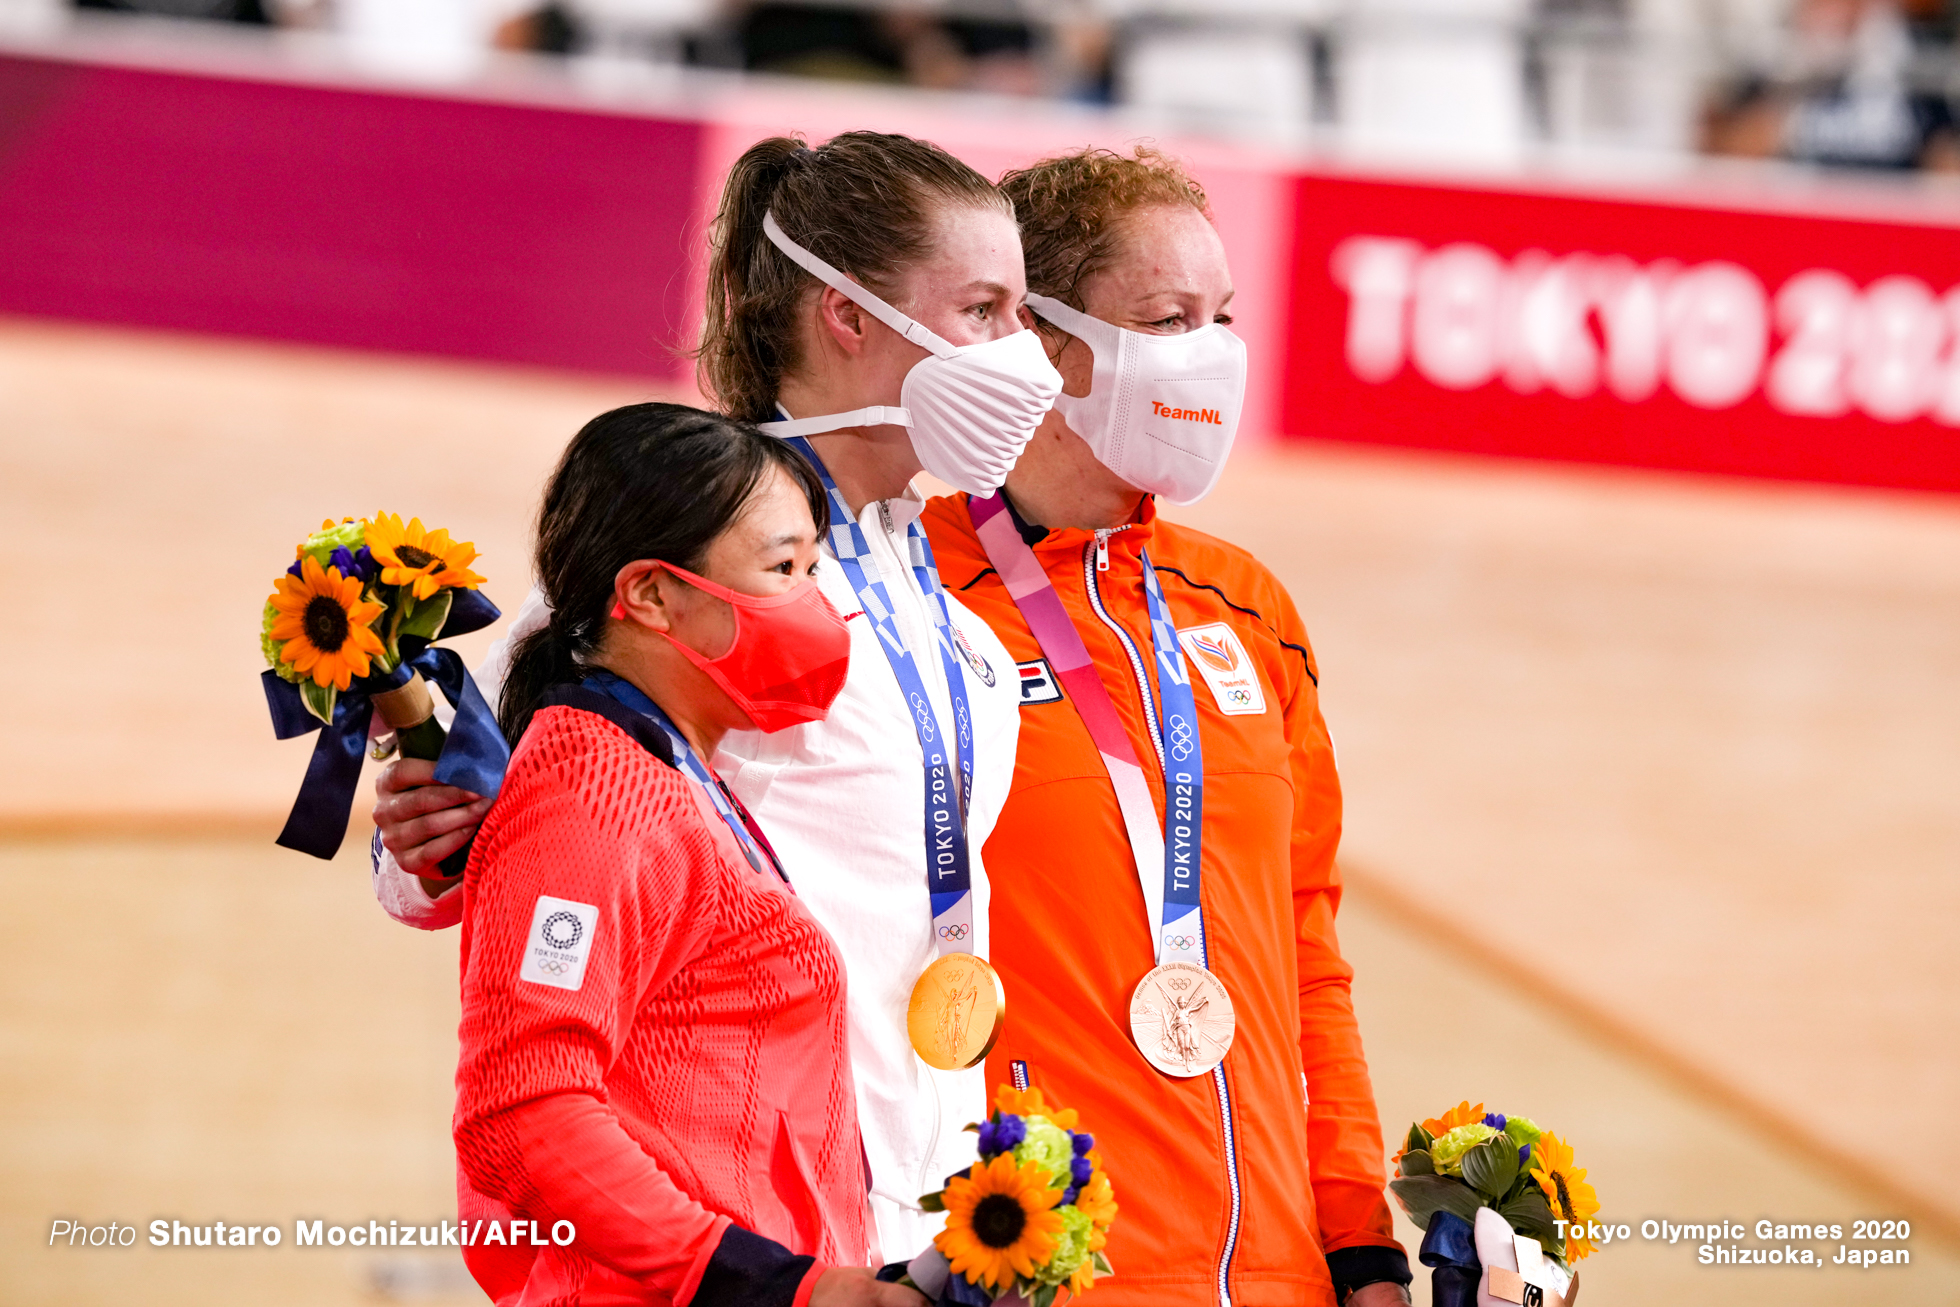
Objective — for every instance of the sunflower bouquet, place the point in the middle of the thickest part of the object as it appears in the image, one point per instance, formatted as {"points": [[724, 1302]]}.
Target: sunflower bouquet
{"points": [[1026, 1222], [349, 635], [1501, 1204]]}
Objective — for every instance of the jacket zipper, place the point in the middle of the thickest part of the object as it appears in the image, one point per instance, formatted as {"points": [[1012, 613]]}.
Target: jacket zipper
{"points": [[1102, 545], [1095, 558]]}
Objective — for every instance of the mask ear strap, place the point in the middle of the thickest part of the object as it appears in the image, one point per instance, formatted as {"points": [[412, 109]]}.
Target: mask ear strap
{"points": [[875, 416], [1074, 321], [1093, 332], [916, 332]]}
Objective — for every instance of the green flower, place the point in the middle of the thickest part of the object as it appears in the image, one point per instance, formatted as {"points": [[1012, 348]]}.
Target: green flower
{"points": [[1071, 1249], [1046, 1144], [271, 647], [1449, 1149], [347, 535], [1523, 1130]]}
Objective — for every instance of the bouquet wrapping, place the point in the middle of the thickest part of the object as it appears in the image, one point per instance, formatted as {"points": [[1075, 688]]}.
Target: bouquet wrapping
{"points": [[349, 635], [1503, 1210], [1027, 1222]]}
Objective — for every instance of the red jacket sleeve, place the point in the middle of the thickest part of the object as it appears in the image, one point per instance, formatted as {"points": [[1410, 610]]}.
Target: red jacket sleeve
{"points": [[1343, 1133], [582, 1167], [531, 1126]]}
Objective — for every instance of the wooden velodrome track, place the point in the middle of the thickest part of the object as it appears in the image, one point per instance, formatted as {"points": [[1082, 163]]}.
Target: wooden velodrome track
{"points": [[1654, 806]]}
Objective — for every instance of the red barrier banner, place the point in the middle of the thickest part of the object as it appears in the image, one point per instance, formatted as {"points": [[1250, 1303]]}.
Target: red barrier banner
{"points": [[345, 215], [1614, 331]]}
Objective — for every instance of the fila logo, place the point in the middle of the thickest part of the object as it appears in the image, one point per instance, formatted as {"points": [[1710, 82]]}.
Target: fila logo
{"points": [[1038, 683], [1187, 414], [1221, 659]]}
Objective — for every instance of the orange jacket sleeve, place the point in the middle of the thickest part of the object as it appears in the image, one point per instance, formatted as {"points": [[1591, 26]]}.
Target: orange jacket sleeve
{"points": [[1344, 1135]]}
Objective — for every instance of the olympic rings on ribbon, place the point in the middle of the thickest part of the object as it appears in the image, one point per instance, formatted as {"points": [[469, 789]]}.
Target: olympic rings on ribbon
{"points": [[922, 716], [1180, 738], [952, 932], [1180, 942]]}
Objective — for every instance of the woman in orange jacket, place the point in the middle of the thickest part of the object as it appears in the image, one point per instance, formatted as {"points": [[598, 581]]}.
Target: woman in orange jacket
{"points": [[1164, 879]]}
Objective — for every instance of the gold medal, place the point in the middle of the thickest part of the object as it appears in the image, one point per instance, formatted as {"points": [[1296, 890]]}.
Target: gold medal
{"points": [[957, 1010], [1182, 1019]]}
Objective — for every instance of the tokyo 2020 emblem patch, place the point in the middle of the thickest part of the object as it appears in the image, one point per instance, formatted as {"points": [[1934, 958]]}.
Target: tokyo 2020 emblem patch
{"points": [[559, 942]]}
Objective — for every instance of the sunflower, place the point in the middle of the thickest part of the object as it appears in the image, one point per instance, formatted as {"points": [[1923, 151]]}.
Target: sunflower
{"points": [[1000, 1222], [1029, 1102], [425, 561], [326, 630], [1438, 1126], [1572, 1200]]}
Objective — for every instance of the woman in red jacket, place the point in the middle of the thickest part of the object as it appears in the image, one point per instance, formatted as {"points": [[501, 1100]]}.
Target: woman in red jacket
{"points": [[654, 1075]]}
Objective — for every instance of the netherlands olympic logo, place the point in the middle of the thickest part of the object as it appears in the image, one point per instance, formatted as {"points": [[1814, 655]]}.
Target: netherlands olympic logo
{"points": [[1181, 943], [952, 932], [548, 931], [1241, 696], [1181, 741]]}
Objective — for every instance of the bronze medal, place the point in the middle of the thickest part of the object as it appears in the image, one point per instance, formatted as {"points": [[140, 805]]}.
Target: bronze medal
{"points": [[956, 1013], [1182, 1019]]}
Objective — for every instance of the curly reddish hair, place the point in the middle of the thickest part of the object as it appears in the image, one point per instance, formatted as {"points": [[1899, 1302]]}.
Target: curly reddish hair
{"points": [[1071, 209]]}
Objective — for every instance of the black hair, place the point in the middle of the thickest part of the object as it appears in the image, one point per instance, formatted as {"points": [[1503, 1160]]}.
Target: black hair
{"points": [[645, 481]]}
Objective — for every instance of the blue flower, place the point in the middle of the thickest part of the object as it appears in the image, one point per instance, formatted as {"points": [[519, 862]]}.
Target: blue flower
{"points": [[1001, 1134], [1082, 1141], [1080, 1170], [1495, 1120], [361, 564], [1068, 1195]]}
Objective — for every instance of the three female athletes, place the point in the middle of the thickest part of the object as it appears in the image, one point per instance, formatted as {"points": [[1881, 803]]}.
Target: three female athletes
{"points": [[1251, 1151]]}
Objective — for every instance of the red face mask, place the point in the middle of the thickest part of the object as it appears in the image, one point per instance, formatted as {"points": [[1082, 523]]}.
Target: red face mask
{"points": [[789, 658]]}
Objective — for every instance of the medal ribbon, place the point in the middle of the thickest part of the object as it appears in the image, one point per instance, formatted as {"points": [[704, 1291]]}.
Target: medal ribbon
{"points": [[1176, 917], [949, 873], [748, 836]]}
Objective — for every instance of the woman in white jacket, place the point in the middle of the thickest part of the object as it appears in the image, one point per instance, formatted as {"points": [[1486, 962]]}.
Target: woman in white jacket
{"points": [[865, 298]]}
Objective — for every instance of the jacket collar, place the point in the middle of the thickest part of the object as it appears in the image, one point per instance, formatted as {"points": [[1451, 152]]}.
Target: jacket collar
{"points": [[643, 729]]}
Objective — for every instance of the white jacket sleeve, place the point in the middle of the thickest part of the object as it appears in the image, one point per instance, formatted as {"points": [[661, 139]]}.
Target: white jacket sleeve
{"points": [[400, 894], [402, 897]]}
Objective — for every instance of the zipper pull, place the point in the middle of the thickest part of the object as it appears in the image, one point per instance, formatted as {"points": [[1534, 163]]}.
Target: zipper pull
{"points": [[1102, 549], [885, 514]]}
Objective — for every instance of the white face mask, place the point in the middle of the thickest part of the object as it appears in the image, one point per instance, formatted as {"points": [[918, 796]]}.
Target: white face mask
{"points": [[1161, 410], [970, 408]]}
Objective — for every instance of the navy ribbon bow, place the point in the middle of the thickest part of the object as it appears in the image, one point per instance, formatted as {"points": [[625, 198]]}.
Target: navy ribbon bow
{"points": [[473, 757], [1449, 1248]]}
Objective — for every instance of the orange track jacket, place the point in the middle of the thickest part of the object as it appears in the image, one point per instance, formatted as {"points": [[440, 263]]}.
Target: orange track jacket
{"points": [[1252, 1200]]}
